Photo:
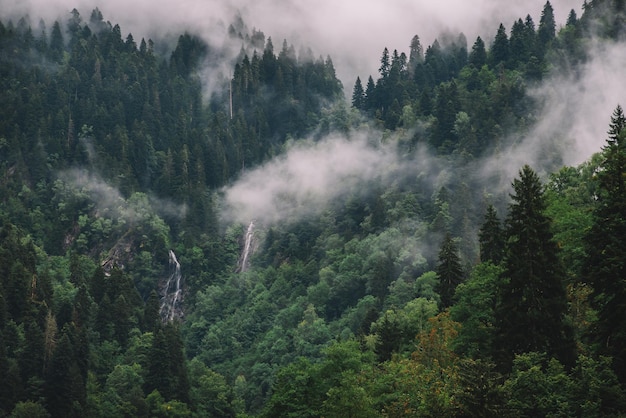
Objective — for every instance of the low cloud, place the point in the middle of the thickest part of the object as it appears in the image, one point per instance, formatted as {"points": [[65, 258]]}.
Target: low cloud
{"points": [[309, 176], [110, 203], [576, 108], [572, 118]]}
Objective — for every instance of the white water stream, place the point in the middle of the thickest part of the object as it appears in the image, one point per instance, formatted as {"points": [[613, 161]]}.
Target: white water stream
{"points": [[172, 292]]}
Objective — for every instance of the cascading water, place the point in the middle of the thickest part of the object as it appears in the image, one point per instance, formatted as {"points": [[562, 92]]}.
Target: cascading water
{"points": [[247, 248], [172, 292]]}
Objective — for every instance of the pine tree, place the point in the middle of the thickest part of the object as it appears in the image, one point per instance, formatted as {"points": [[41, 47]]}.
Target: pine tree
{"points": [[358, 95], [416, 54], [500, 49], [605, 264], [371, 101], [478, 55], [389, 338], [65, 387], [449, 271], [491, 237], [385, 64], [530, 315], [166, 370], [547, 25]]}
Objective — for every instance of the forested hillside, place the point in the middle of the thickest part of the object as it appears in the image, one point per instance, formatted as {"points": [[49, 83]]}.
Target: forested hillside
{"points": [[277, 246]]}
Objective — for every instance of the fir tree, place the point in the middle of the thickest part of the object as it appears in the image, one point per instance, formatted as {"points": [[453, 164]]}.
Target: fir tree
{"points": [[358, 95], [449, 271], [385, 64], [371, 100], [416, 54], [500, 49], [605, 265], [478, 55], [547, 25], [491, 237], [530, 315]]}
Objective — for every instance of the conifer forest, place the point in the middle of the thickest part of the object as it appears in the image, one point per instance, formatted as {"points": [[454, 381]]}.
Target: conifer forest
{"points": [[196, 229]]}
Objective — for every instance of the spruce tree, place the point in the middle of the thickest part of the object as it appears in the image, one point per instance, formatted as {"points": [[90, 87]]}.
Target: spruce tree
{"points": [[65, 389], [478, 56], [370, 101], [358, 95], [605, 265], [449, 271], [416, 54], [385, 64], [500, 49], [491, 237], [547, 25], [532, 304]]}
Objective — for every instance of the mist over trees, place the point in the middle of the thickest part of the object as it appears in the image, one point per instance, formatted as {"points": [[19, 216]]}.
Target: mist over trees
{"points": [[405, 282]]}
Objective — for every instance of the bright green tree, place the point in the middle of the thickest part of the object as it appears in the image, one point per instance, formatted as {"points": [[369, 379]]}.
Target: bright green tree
{"points": [[475, 310]]}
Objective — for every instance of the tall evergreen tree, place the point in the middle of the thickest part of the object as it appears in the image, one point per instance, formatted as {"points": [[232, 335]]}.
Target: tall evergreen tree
{"points": [[370, 94], [416, 54], [547, 25], [491, 237], [385, 64], [499, 52], [605, 265], [65, 388], [478, 55], [530, 315], [358, 95], [449, 271]]}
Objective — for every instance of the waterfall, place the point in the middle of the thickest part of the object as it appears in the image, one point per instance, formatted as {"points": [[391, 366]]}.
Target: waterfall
{"points": [[172, 292], [247, 248]]}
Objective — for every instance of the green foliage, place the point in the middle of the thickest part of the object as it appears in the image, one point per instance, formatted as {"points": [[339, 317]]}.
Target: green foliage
{"points": [[604, 266], [449, 271], [491, 238], [475, 310], [110, 157], [539, 388], [569, 193], [29, 409]]}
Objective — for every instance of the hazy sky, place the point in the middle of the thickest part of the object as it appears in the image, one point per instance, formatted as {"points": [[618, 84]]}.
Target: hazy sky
{"points": [[353, 33]]}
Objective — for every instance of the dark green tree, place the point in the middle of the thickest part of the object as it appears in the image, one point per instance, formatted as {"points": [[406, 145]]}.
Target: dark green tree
{"points": [[385, 64], [389, 337], [605, 264], [166, 369], [547, 26], [499, 52], [520, 47], [449, 271], [478, 55], [491, 237], [530, 316], [416, 54], [370, 94], [151, 317], [358, 95], [56, 42], [65, 387]]}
